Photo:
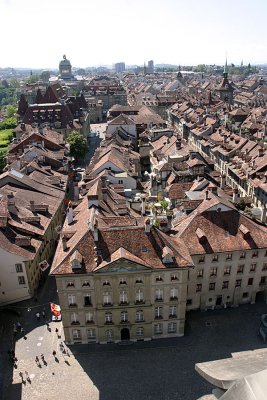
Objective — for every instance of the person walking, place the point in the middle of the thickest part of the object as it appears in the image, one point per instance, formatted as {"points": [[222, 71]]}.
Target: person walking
{"points": [[37, 359], [54, 353], [38, 316], [43, 314]]}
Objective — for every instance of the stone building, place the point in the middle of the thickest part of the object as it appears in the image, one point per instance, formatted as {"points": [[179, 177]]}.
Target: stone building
{"points": [[118, 278]]}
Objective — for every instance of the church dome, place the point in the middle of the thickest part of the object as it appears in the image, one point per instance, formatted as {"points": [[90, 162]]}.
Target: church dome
{"points": [[65, 62]]}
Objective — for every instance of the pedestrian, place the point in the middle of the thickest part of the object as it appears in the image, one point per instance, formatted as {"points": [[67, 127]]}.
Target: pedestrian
{"points": [[18, 326], [54, 353], [56, 330], [42, 357], [38, 316], [21, 375], [37, 359], [26, 374], [43, 314]]}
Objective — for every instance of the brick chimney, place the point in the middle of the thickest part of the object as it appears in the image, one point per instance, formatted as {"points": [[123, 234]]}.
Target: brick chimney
{"points": [[32, 206], [70, 213]]}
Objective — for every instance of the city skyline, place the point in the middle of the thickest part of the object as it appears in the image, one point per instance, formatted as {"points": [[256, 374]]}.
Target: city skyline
{"points": [[104, 33]]}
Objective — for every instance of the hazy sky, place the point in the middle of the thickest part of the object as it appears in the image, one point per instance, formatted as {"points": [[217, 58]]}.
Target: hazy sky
{"points": [[36, 33]]}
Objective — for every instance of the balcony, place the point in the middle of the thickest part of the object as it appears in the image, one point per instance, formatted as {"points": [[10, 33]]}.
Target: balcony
{"points": [[124, 303], [124, 322], [107, 304], [159, 299], [158, 317], [172, 316], [109, 323], [90, 321], [139, 302], [173, 298]]}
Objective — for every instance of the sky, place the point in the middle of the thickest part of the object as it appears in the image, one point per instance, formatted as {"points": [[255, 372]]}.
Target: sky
{"points": [[36, 33]]}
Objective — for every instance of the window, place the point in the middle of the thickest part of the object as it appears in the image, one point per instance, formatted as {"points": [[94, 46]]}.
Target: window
{"points": [[200, 273], [229, 256], [215, 257], [18, 267], [140, 331], [225, 285], [174, 294], [139, 296], [89, 317], [213, 271], [76, 334], [158, 312], [227, 270], [139, 316], [108, 317], [107, 299], [201, 259], [250, 281], [86, 283], [159, 295], [242, 255], [174, 277], [123, 281], [253, 267], [264, 268], [70, 284], [238, 282], [72, 300], [74, 319], [199, 287], [87, 300], [212, 286], [255, 254], [139, 280], [189, 302], [144, 249], [109, 335], [263, 280], [123, 297], [173, 312], [240, 269], [124, 316], [91, 333], [245, 295], [120, 181], [159, 278], [106, 283], [158, 329], [21, 280], [172, 327]]}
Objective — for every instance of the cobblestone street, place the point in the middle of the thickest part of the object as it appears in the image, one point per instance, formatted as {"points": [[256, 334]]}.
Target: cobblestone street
{"points": [[158, 370]]}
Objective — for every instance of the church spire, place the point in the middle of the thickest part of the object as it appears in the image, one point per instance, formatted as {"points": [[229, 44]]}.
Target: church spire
{"points": [[225, 71]]}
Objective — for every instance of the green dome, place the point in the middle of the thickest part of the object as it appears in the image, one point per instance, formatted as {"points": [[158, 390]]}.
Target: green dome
{"points": [[65, 62]]}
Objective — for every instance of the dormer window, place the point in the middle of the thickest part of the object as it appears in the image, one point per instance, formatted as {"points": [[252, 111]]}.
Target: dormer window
{"points": [[76, 260], [144, 249], [167, 255], [86, 283], [123, 281], [106, 283], [139, 280], [159, 278], [70, 284], [174, 277]]}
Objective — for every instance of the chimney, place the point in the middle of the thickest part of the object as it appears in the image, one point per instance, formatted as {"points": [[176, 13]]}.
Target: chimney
{"points": [[206, 195], [263, 214], [84, 191], [11, 203], [143, 208], [147, 225], [260, 151], [32, 206], [95, 233], [223, 181], [70, 213], [64, 243], [235, 195]]}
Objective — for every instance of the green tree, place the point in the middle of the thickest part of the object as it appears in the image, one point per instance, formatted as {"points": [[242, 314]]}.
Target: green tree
{"points": [[78, 145], [164, 204], [11, 111]]}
